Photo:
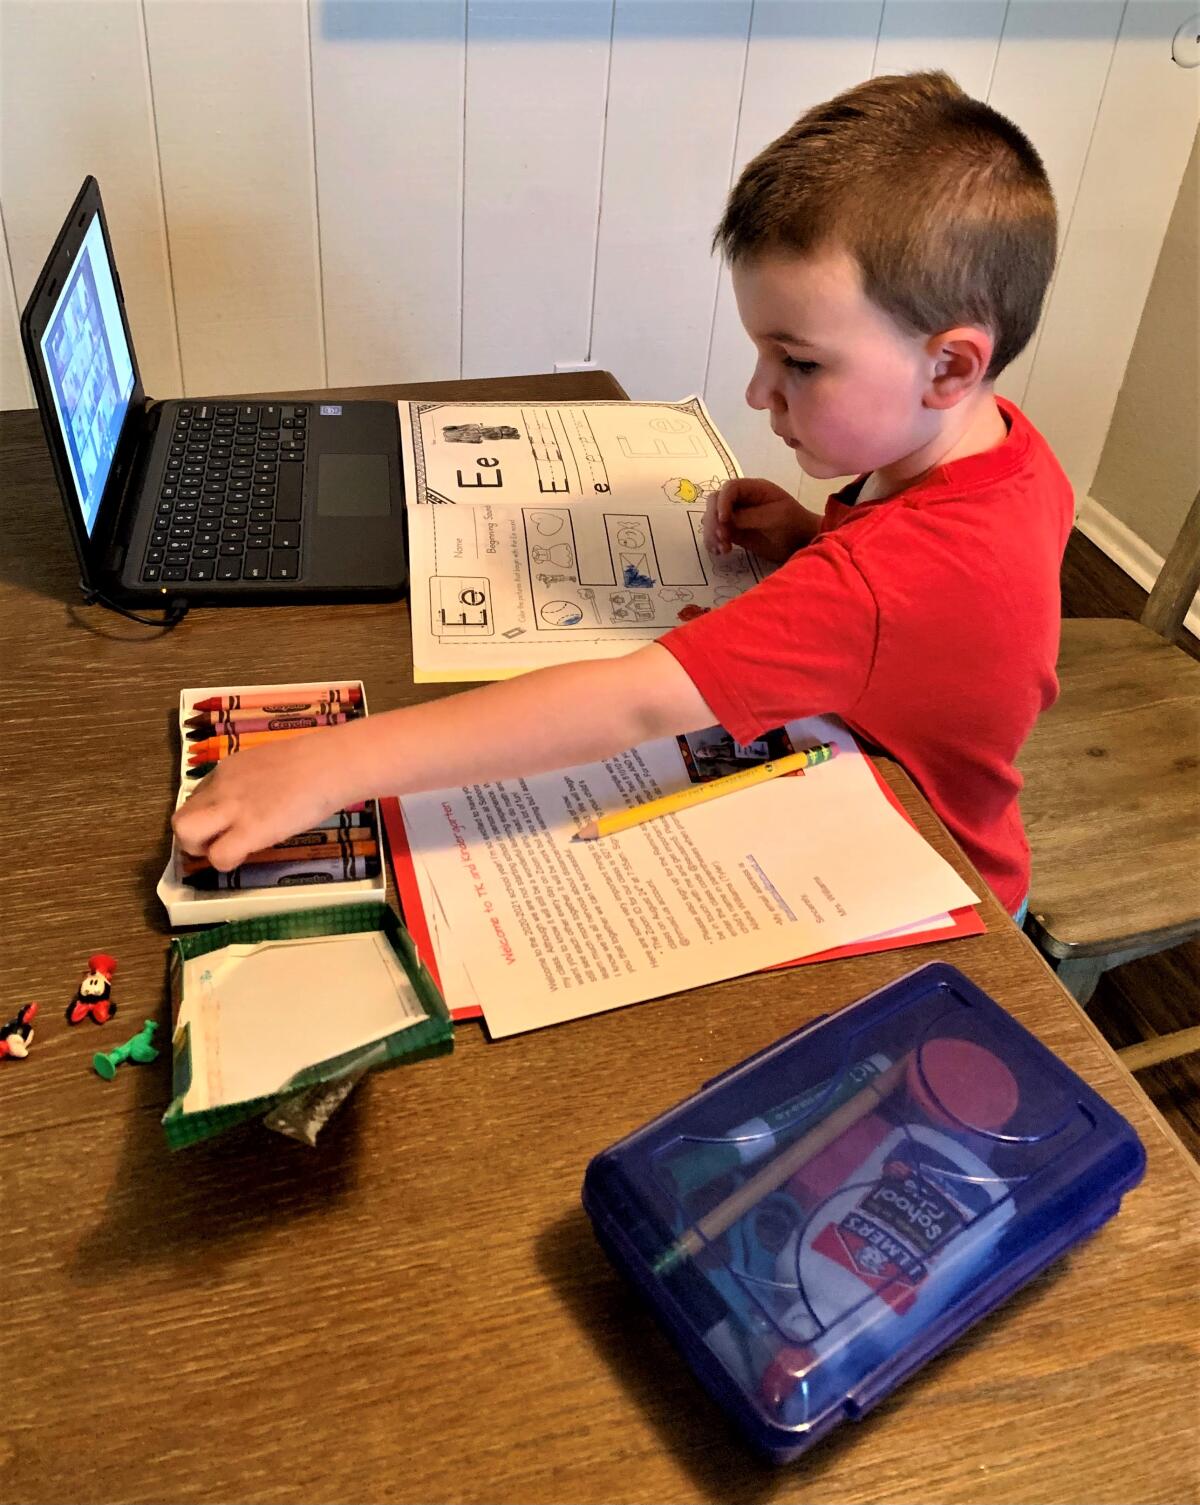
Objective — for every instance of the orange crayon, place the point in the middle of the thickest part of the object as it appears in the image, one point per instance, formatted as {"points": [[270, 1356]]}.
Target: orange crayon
{"points": [[368, 847], [282, 700], [345, 828], [223, 746]]}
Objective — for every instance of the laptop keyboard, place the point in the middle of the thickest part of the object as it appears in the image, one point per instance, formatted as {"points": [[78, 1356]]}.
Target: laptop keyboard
{"points": [[230, 500]]}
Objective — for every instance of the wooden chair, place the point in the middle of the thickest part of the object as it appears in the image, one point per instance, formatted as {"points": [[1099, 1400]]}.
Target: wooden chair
{"points": [[1112, 791]]}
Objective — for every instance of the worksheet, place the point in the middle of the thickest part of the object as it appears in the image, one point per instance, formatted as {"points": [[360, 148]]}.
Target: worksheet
{"points": [[545, 927], [540, 533]]}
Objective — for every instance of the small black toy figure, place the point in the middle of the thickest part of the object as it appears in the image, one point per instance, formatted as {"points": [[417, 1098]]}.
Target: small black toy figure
{"points": [[16, 1035], [93, 997]]}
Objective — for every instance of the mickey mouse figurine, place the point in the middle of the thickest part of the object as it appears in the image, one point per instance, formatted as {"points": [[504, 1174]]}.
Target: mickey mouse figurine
{"points": [[17, 1033], [93, 997]]}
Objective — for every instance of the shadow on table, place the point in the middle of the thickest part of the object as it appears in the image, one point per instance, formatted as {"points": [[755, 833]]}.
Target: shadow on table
{"points": [[617, 1326], [198, 1209], [38, 556], [156, 852]]}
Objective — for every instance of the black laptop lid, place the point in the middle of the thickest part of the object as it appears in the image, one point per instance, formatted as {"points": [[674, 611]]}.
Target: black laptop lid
{"points": [[85, 375]]}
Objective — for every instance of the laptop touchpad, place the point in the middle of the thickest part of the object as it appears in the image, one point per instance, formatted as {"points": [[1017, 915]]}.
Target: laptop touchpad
{"points": [[353, 486]]}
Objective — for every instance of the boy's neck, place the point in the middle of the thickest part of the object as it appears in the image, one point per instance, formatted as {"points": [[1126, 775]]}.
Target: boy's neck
{"points": [[980, 428]]}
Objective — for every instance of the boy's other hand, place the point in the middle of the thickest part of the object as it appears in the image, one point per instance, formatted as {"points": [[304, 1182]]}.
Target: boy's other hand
{"points": [[756, 515], [261, 796]]}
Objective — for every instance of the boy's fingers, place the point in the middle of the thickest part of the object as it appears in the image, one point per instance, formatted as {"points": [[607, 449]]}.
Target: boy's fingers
{"points": [[714, 535], [222, 834], [228, 851], [756, 500], [198, 823], [717, 541]]}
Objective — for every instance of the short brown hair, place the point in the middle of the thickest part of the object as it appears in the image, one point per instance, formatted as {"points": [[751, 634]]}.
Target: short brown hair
{"points": [[942, 202]]}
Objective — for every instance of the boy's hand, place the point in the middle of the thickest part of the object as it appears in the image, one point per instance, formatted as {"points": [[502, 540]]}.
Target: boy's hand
{"points": [[758, 516], [263, 795]]}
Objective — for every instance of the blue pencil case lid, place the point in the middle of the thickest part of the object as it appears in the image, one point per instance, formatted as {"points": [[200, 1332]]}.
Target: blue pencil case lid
{"points": [[816, 1223]]}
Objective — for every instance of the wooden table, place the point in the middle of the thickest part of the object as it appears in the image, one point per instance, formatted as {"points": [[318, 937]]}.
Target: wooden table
{"points": [[417, 1310]]}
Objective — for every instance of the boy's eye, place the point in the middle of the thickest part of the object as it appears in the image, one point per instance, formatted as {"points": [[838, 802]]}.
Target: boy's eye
{"points": [[805, 368]]}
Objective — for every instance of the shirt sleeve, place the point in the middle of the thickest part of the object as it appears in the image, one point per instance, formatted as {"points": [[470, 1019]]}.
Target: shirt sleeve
{"points": [[799, 643]]}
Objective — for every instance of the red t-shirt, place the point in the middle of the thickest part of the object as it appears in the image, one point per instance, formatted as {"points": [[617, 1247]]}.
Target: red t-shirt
{"points": [[929, 622]]}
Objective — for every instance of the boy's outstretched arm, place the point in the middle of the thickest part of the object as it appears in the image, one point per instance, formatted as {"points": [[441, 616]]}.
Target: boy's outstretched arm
{"points": [[551, 718]]}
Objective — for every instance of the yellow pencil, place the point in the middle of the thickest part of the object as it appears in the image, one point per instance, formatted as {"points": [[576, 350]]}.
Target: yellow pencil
{"points": [[772, 1176], [696, 794]]}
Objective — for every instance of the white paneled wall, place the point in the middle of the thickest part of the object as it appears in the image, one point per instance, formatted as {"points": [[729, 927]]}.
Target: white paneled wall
{"points": [[14, 380], [673, 99], [1139, 147], [537, 74], [1051, 81], [388, 115], [75, 98], [357, 191], [233, 115]]}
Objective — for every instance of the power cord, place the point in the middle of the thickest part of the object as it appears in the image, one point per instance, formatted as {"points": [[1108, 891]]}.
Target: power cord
{"points": [[174, 611]]}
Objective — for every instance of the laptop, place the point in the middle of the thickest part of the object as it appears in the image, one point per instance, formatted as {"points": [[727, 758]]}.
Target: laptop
{"points": [[206, 499]]}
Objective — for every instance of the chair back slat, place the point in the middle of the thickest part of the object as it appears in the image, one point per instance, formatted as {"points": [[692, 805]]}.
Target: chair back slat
{"points": [[1177, 580]]}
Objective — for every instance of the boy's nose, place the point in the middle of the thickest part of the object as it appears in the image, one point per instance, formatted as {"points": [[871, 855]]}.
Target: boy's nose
{"points": [[760, 393]]}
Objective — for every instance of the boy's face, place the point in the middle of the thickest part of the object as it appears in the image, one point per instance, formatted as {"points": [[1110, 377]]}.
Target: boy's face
{"points": [[842, 382]]}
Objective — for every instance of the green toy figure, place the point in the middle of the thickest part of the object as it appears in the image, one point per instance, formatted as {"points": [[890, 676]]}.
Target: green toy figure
{"points": [[137, 1049]]}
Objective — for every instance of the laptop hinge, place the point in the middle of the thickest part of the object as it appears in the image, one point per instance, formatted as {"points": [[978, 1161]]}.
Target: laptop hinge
{"points": [[126, 481]]}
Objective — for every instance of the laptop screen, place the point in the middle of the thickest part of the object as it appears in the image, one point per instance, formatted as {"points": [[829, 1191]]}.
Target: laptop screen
{"points": [[90, 369]]}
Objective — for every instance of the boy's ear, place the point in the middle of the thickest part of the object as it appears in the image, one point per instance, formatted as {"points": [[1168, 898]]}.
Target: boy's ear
{"points": [[958, 362]]}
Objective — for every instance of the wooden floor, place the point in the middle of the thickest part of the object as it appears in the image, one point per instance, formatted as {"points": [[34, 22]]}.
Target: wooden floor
{"points": [[1159, 993]]}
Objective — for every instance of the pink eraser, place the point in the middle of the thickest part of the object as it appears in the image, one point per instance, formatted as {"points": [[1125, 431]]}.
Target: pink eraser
{"points": [[962, 1085]]}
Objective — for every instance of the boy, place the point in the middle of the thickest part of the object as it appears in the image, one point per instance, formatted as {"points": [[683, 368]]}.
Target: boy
{"points": [[889, 255]]}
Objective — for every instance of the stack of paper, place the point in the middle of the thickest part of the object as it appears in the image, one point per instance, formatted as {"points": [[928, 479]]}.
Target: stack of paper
{"points": [[531, 926]]}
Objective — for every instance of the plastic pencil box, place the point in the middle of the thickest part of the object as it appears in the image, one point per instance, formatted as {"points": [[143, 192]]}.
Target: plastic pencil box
{"points": [[190, 906], [816, 1223]]}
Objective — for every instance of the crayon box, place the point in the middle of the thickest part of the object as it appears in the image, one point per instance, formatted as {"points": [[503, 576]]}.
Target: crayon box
{"points": [[266, 1009], [313, 881], [819, 1221]]}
